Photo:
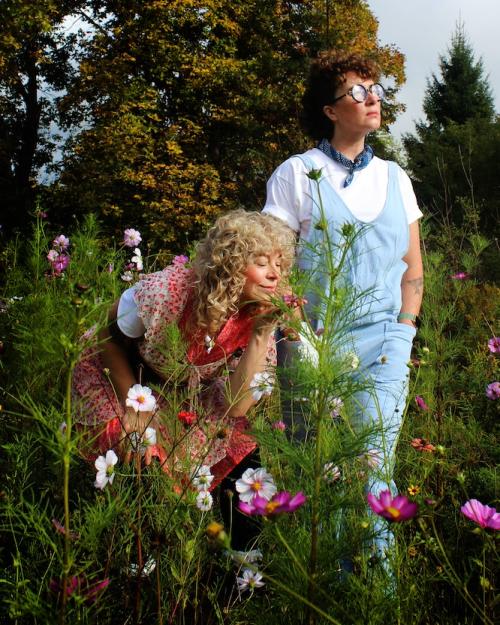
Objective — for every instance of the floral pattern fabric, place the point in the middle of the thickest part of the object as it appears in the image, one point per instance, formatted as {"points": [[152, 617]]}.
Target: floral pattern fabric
{"points": [[218, 441]]}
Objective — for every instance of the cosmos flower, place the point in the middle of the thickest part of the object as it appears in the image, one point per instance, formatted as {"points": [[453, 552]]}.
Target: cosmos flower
{"points": [[395, 509], [204, 501], [127, 276], [180, 260], [262, 384], [137, 259], [249, 580], [140, 398], [202, 478], [105, 466], [140, 442], [61, 243], [52, 255], [370, 458], [484, 516], [494, 345], [421, 403], [422, 444], [281, 503], [331, 473], [493, 390], [461, 275], [279, 425], [255, 482], [131, 237]]}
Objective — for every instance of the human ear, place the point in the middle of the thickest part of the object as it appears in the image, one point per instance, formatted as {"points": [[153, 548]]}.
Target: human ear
{"points": [[329, 111]]}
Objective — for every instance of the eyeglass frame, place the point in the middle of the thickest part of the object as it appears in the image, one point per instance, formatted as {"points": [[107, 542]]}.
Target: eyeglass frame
{"points": [[367, 90]]}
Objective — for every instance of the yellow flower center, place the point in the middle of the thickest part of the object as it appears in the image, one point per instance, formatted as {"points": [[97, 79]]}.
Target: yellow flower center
{"points": [[256, 486], [271, 506], [394, 512], [141, 399]]}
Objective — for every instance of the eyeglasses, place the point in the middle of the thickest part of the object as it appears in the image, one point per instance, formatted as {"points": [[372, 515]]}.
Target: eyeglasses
{"points": [[359, 93]]}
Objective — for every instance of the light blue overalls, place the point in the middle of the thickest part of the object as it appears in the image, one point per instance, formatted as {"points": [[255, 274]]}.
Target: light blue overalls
{"points": [[375, 268]]}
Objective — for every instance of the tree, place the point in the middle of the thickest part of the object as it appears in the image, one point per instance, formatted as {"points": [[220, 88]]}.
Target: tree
{"points": [[463, 92], [35, 51], [453, 155], [187, 107]]}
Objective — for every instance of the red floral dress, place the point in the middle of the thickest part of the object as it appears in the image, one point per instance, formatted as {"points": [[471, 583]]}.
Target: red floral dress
{"points": [[217, 440]]}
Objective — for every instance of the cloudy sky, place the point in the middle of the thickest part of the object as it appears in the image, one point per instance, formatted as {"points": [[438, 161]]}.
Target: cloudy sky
{"points": [[422, 30]]}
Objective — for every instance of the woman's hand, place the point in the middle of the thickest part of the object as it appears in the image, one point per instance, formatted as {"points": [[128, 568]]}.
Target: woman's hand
{"points": [[135, 438]]}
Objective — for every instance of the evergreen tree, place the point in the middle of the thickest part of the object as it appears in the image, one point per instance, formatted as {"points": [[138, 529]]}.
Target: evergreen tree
{"points": [[462, 92], [453, 154]]}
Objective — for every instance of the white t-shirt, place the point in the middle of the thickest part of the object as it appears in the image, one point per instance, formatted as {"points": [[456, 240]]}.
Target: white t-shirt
{"points": [[289, 195], [127, 317]]}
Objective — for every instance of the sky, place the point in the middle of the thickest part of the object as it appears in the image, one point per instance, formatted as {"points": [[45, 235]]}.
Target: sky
{"points": [[422, 31]]}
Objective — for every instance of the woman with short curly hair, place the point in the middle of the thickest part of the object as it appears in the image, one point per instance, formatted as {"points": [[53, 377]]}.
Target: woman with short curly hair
{"points": [[341, 107], [222, 305]]}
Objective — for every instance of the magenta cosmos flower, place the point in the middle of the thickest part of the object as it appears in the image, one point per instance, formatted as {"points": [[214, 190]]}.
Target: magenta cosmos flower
{"points": [[482, 515], [281, 503], [493, 390], [394, 509], [421, 403], [461, 275], [494, 345]]}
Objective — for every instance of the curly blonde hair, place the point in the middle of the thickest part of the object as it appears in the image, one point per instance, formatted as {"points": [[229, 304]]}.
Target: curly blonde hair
{"points": [[222, 257]]}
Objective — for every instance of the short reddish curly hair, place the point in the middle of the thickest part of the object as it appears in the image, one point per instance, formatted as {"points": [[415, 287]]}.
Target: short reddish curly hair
{"points": [[326, 73]]}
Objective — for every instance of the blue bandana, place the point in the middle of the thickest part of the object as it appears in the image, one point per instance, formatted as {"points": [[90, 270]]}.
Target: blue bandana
{"points": [[360, 162]]}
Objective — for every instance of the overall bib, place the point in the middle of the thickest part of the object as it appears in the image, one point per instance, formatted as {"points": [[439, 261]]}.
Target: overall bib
{"points": [[374, 268]]}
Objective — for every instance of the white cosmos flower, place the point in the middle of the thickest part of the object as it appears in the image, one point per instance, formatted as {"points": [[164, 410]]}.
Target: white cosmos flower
{"points": [[131, 237], [249, 580], [127, 276], [202, 478], [105, 466], [137, 259], [141, 443], [255, 482], [352, 360], [370, 458], [331, 473], [140, 398], [262, 384], [204, 501]]}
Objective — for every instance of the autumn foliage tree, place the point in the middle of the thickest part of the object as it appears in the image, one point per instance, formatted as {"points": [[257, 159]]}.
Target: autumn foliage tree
{"points": [[174, 111], [189, 106]]}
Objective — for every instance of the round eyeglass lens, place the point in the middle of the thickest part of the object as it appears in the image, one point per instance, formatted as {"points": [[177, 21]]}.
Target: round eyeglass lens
{"points": [[378, 90], [359, 93]]}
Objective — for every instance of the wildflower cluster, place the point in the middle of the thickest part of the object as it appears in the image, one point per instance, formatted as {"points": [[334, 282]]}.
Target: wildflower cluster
{"points": [[201, 479], [58, 256], [132, 238]]}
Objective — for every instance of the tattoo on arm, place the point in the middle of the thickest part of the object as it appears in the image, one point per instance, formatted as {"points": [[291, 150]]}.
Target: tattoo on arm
{"points": [[417, 284]]}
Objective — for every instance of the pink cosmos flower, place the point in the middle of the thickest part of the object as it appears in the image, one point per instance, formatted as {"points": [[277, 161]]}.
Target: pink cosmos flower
{"points": [[59, 527], [395, 509], [131, 237], [52, 255], [461, 275], [294, 301], [279, 425], [493, 390], [61, 243], [494, 345], [180, 260], [281, 503], [60, 263], [422, 444], [483, 515], [421, 403]]}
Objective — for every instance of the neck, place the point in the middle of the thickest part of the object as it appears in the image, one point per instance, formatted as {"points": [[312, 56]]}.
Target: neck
{"points": [[349, 150]]}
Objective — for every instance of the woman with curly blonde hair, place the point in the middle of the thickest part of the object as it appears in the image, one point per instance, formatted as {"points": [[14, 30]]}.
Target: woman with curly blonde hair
{"points": [[222, 306]]}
